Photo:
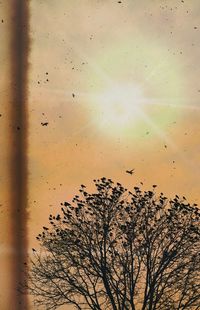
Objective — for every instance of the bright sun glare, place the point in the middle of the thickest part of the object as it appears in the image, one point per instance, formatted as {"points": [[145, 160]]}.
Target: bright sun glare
{"points": [[131, 87], [120, 105]]}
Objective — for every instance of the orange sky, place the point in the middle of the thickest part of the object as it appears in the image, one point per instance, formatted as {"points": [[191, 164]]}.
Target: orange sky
{"points": [[86, 47], [118, 84]]}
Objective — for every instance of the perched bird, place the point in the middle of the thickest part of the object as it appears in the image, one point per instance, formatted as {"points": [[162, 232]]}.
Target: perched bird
{"points": [[44, 124], [165, 254], [130, 171]]}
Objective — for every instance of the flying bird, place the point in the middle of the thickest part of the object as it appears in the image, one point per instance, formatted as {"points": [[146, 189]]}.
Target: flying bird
{"points": [[44, 124], [130, 171]]}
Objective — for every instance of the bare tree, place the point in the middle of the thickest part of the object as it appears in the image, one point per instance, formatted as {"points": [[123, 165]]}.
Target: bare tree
{"points": [[116, 249]]}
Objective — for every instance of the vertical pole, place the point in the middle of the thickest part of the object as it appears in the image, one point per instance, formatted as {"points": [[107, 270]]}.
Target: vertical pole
{"points": [[19, 47]]}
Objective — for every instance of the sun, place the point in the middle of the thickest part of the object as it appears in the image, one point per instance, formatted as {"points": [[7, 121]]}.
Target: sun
{"points": [[132, 86], [119, 106]]}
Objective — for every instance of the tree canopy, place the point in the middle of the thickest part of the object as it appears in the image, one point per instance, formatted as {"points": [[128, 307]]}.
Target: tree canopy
{"points": [[118, 249]]}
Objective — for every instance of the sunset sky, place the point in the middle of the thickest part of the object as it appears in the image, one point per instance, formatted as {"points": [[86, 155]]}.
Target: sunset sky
{"points": [[118, 84]]}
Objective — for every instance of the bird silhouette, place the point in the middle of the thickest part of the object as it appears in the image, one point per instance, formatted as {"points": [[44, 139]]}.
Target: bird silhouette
{"points": [[130, 171], [44, 124], [165, 254]]}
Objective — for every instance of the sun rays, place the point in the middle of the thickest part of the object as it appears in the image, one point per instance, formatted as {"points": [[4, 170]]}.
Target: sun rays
{"points": [[129, 87]]}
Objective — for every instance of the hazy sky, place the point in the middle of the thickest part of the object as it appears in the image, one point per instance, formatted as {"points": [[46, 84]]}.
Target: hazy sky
{"points": [[118, 84]]}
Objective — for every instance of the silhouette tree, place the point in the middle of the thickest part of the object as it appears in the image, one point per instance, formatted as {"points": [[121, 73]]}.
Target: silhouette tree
{"points": [[116, 249]]}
